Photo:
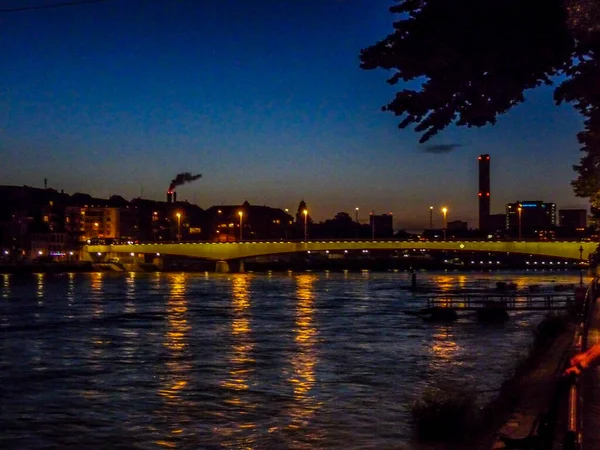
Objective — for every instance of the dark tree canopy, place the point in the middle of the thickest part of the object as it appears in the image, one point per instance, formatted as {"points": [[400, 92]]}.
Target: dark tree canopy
{"points": [[474, 59]]}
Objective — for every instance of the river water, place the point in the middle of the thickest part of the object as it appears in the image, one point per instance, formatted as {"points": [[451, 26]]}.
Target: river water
{"points": [[204, 360]]}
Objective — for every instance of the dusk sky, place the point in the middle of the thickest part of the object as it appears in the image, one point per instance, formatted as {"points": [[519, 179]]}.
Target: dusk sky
{"points": [[265, 98]]}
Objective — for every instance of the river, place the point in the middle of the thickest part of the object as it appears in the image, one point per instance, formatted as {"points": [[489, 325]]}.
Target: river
{"points": [[205, 360]]}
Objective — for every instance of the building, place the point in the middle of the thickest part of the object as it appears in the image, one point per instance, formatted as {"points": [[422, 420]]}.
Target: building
{"points": [[496, 222], [572, 218], [382, 225], [244, 222], [458, 225], [484, 191], [531, 218]]}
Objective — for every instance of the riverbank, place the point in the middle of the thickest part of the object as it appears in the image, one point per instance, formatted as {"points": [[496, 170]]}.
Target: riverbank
{"points": [[526, 395]]}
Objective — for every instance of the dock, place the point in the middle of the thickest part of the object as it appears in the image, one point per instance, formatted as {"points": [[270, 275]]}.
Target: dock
{"points": [[514, 301]]}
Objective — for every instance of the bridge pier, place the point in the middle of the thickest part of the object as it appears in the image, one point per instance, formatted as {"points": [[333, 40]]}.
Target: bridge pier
{"points": [[222, 267]]}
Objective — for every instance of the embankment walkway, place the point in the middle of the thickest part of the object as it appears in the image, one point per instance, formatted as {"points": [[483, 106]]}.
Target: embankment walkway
{"points": [[591, 388]]}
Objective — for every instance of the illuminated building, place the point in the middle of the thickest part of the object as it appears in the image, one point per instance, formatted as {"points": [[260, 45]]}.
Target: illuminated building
{"points": [[532, 217]]}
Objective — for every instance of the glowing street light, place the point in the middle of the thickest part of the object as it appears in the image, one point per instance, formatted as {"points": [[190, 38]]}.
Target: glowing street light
{"points": [[373, 225], [178, 226], [445, 213], [241, 213], [305, 212]]}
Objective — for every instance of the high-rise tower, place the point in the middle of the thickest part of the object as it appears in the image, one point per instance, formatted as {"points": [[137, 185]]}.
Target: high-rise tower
{"points": [[484, 191]]}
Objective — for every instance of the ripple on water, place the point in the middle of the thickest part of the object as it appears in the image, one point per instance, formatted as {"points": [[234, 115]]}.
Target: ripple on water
{"points": [[244, 360]]}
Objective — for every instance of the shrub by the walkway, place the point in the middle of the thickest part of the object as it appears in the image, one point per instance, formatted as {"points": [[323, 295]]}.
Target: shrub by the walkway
{"points": [[443, 411]]}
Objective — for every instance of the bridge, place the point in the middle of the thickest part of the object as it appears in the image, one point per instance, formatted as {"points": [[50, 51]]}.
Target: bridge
{"points": [[231, 251]]}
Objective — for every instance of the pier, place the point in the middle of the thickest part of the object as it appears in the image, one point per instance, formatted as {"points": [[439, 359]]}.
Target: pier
{"points": [[505, 301]]}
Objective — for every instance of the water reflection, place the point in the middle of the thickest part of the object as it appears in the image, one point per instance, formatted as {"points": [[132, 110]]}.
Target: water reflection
{"points": [[305, 358], [130, 289], [444, 283], [98, 294], [241, 363], [178, 365], [6, 285], [40, 288], [444, 349]]}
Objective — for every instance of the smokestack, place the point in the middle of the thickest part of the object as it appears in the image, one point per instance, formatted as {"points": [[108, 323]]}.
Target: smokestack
{"points": [[169, 197], [484, 191], [45, 183], [174, 196]]}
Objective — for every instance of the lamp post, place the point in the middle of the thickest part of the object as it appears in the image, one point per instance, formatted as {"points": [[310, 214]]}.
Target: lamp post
{"points": [[520, 211], [357, 224], [373, 225], [580, 265], [305, 212], [445, 212], [178, 226], [241, 214], [286, 223], [431, 217]]}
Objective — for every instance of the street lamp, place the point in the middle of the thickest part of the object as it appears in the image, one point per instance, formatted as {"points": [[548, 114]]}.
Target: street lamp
{"points": [[520, 210], [580, 265], [445, 212], [241, 213], [373, 225], [305, 212], [431, 217], [357, 224], [178, 226], [286, 223]]}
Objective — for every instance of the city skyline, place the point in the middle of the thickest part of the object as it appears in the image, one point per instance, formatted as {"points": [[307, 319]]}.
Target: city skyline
{"points": [[113, 98]]}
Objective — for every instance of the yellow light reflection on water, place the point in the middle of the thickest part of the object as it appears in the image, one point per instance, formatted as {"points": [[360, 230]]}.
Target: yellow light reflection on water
{"points": [[444, 349], [40, 287], [6, 285], [444, 283], [178, 365], [71, 290], [241, 360], [130, 291], [304, 360], [97, 293]]}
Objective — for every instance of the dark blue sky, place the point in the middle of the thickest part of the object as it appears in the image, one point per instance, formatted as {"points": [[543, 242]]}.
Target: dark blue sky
{"points": [[264, 98]]}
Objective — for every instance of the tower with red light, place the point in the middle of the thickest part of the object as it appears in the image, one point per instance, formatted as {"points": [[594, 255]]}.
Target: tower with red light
{"points": [[484, 191]]}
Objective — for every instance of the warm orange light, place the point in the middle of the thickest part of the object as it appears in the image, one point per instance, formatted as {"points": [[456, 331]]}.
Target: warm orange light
{"points": [[178, 215], [444, 210], [305, 212], [241, 213]]}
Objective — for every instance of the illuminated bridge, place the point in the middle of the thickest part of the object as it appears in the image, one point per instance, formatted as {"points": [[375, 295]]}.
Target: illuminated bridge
{"points": [[230, 251]]}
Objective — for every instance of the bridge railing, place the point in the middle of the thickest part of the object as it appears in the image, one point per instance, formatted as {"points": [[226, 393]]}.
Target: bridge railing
{"points": [[573, 438]]}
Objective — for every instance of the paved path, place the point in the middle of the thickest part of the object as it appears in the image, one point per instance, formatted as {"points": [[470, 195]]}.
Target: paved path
{"points": [[535, 389], [591, 389]]}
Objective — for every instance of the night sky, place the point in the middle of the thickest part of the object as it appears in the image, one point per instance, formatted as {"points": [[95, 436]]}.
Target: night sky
{"points": [[265, 98]]}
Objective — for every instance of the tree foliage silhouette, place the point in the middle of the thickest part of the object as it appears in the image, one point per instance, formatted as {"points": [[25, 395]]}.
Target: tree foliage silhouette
{"points": [[473, 60]]}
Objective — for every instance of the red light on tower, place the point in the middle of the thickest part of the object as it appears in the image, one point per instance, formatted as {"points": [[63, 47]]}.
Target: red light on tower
{"points": [[479, 194]]}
